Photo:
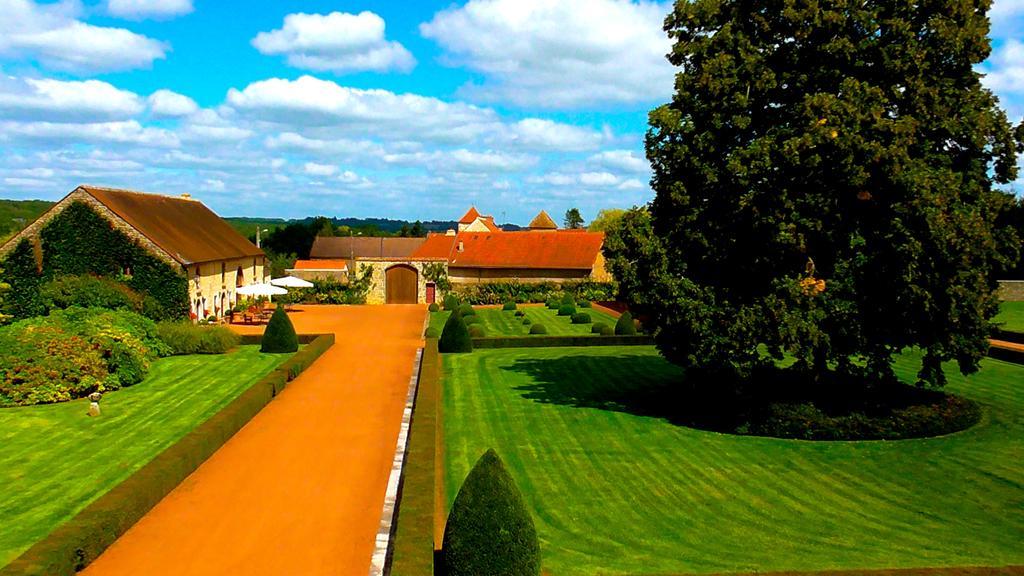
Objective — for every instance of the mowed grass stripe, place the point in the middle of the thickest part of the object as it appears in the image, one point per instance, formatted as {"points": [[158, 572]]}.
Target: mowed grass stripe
{"points": [[54, 460], [621, 493], [498, 322]]}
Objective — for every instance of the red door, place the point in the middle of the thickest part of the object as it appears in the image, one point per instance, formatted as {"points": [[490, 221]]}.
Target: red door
{"points": [[430, 293]]}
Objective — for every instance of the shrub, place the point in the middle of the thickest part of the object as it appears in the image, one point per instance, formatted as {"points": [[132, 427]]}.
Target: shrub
{"points": [[607, 330], [89, 291], [279, 337], [553, 303], [508, 306], [476, 331], [434, 307], [520, 313], [471, 319], [183, 337], [523, 292], [527, 321], [538, 329], [455, 337], [581, 318], [596, 328], [431, 332], [625, 325], [489, 530], [466, 310], [568, 300], [585, 304], [566, 310], [451, 302]]}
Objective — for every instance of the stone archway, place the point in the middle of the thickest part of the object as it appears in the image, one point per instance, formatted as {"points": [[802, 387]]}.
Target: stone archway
{"points": [[401, 284]]}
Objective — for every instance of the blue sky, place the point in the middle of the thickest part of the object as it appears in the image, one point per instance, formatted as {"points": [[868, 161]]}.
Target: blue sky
{"points": [[352, 108]]}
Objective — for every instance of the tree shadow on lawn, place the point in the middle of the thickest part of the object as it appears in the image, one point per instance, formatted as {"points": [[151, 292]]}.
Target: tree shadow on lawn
{"points": [[775, 402]]}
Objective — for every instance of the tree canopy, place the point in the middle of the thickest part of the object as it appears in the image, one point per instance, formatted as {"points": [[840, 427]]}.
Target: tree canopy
{"points": [[573, 219], [606, 219], [825, 183]]}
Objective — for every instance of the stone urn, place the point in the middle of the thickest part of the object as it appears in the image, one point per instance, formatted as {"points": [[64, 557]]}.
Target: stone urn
{"points": [[94, 403]]}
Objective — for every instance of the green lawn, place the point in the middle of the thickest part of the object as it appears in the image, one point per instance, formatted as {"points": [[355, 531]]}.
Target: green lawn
{"points": [[54, 460], [613, 492], [1011, 314], [497, 322]]}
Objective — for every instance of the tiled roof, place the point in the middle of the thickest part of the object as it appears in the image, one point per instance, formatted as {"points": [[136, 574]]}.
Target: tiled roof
{"points": [[320, 265], [183, 228], [489, 222], [522, 250], [470, 216], [542, 222], [349, 247]]}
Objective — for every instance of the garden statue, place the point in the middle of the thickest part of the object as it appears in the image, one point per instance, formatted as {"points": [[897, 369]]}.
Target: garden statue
{"points": [[94, 403]]}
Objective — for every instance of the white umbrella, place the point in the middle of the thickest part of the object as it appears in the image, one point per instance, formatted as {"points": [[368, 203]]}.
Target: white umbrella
{"points": [[291, 282], [261, 290]]}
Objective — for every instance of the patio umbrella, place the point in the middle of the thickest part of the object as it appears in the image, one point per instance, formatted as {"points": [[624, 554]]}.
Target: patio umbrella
{"points": [[261, 290], [291, 282]]}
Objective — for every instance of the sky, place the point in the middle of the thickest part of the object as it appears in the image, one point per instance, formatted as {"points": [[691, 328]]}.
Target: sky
{"points": [[410, 110]]}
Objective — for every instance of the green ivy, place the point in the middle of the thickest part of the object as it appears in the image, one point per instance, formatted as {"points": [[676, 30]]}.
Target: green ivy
{"points": [[79, 241]]}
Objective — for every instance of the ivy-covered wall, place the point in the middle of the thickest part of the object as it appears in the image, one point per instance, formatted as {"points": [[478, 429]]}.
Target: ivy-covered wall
{"points": [[80, 241]]}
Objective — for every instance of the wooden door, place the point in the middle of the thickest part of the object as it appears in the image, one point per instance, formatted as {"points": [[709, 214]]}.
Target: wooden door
{"points": [[400, 283]]}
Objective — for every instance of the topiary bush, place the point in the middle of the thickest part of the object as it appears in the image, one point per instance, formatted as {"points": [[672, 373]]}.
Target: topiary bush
{"points": [[538, 329], [455, 338], [466, 310], [581, 318], [508, 306], [520, 313], [279, 337], [476, 331], [451, 302], [431, 332], [433, 307], [607, 330], [585, 304], [625, 325], [566, 310], [553, 303], [568, 300], [596, 328], [184, 337], [527, 321], [489, 530]]}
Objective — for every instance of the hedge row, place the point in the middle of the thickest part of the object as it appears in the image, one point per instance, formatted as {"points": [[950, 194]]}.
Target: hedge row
{"points": [[80, 540], [1009, 336], [1007, 354], [526, 292], [413, 542], [560, 341]]}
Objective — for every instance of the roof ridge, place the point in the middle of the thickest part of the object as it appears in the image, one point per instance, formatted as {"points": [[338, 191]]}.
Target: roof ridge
{"points": [[186, 196]]}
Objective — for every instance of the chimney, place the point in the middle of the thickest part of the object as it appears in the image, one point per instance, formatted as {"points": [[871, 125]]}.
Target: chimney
{"points": [[186, 196], [450, 232]]}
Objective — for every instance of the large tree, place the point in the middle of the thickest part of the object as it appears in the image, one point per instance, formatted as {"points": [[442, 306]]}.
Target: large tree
{"points": [[824, 180], [573, 219]]}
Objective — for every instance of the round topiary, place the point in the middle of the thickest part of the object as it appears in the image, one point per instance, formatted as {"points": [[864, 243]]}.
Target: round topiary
{"points": [[581, 318], [433, 307], [568, 300], [508, 306], [466, 310], [520, 313], [566, 310], [489, 530], [471, 319], [455, 337], [538, 329], [451, 302], [607, 330], [597, 327], [625, 326], [476, 331], [431, 332], [553, 303], [279, 337], [527, 321]]}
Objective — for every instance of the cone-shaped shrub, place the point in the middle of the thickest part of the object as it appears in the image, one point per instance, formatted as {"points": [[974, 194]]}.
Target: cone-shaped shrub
{"points": [[280, 334], [625, 325], [451, 302], [455, 336], [489, 530]]}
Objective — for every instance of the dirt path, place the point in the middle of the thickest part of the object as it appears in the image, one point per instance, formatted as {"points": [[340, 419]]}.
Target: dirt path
{"points": [[299, 489]]}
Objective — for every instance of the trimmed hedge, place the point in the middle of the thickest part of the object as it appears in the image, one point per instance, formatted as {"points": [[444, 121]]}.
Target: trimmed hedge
{"points": [[538, 329], [455, 337], [625, 325], [527, 321], [606, 330], [559, 341], [581, 318], [184, 337], [279, 337], [508, 306], [80, 540], [490, 530], [520, 313], [597, 327], [566, 310], [1009, 336], [525, 292]]}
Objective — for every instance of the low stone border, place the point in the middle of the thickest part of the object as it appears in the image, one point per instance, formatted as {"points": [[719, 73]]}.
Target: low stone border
{"points": [[380, 563]]}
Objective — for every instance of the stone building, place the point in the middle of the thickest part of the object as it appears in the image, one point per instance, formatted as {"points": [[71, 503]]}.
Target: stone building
{"points": [[200, 247]]}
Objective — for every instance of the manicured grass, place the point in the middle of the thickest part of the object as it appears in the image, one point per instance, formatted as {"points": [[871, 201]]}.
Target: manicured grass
{"points": [[497, 322], [616, 492], [1011, 315], [54, 460]]}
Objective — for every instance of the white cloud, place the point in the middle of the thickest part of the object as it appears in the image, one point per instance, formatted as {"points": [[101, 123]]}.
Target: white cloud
{"points": [[598, 179], [1004, 70], [141, 9], [65, 101], [338, 42], [214, 185], [463, 160], [170, 104], [540, 134], [51, 34], [1005, 16], [314, 169], [622, 160], [565, 54], [298, 142], [121, 132]]}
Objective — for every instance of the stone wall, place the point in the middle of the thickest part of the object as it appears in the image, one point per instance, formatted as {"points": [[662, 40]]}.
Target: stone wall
{"points": [[211, 284], [1011, 290], [378, 288]]}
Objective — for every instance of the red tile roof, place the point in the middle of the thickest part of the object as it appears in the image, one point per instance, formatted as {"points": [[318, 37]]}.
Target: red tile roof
{"points": [[522, 250], [320, 265], [348, 247], [470, 216]]}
